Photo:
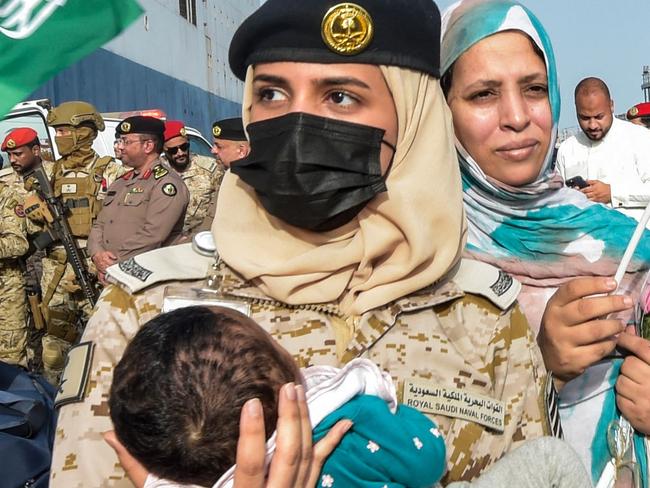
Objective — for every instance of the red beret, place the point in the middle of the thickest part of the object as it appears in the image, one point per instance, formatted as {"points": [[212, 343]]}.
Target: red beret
{"points": [[639, 110], [19, 137], [174, 128]]}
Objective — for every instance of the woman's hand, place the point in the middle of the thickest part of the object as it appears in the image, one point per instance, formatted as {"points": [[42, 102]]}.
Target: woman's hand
{"points": [[295, 463], [134, 470], [572, 335], [633, 383]]}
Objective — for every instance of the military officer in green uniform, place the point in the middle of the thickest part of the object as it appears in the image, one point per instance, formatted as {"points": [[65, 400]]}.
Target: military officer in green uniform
{"points": [[145, 208]]}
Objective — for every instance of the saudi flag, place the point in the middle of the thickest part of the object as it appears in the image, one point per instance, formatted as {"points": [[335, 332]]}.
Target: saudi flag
{"points": [[39, 38]]}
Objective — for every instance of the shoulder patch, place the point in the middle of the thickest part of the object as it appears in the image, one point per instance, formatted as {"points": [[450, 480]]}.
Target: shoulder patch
{"points": [[206, 163], [159, 171], [19, 211], [487, 281], [169, 189]]}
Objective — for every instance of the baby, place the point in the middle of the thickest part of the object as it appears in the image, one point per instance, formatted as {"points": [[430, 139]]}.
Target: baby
{"points": [[178, 391]]}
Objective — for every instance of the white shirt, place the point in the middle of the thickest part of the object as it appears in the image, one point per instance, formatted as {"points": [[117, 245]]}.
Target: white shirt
{"points": [[621, 159]]}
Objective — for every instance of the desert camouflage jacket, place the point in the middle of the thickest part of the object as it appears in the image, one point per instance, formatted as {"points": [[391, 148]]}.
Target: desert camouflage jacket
{"points": [[475, 368]]}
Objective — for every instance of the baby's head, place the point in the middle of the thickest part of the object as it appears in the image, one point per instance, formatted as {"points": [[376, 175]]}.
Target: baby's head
{"points": [[178, 391]]}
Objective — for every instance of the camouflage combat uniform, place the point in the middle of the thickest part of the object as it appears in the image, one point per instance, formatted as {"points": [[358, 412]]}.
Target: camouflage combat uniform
{"points": [[33, 263], [202, 178], [439, 338], [13, 244], [82, 189]]}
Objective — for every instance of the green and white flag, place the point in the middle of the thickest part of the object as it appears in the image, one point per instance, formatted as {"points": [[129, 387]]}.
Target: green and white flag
{"points": [[39, 38]]}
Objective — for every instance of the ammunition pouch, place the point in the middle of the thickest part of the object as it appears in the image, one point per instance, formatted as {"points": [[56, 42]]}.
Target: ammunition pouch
{"points": [[62, 324]]}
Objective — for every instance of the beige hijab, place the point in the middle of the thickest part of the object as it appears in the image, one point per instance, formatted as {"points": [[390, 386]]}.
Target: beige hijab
{"points": [[403, 240]]}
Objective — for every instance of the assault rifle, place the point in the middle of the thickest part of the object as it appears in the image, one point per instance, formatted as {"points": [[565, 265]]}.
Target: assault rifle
{"points": [[58, 229]]}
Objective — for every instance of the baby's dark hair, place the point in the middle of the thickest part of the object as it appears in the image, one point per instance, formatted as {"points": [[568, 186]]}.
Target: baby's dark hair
{"points": [[178, 391]]}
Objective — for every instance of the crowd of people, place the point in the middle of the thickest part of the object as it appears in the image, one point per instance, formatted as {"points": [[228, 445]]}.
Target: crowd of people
{"points": [[406, 283]]}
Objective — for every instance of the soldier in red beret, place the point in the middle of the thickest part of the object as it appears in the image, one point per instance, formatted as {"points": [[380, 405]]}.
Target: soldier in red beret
{"points": [[24, 150], [201, 174], [640, 114]]}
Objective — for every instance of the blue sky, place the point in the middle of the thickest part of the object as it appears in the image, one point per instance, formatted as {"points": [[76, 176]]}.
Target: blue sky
{"points": [[609, 39]]}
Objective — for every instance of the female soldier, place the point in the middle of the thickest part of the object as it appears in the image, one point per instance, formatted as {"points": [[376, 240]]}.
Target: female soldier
{"points": [[343, 234], [501, 86]]}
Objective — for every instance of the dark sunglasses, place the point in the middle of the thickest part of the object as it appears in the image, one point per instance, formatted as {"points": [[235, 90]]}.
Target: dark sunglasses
{"points": [[183, 147]]}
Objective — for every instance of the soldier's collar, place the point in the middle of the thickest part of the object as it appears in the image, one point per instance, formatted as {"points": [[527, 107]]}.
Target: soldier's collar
{"points": [[233, 284]]}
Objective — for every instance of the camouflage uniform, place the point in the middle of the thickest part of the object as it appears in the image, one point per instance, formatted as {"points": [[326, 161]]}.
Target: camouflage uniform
{"points": [[439, 337], [202, 178], [33, 263], [13, 244], [64, 304]]}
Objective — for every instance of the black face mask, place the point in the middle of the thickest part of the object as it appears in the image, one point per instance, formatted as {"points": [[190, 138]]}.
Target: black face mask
{"points": [[313, 172]]}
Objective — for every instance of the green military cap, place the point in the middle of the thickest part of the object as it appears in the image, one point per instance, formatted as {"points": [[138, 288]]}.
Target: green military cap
{"points": [[403, 33], [229, 129]]}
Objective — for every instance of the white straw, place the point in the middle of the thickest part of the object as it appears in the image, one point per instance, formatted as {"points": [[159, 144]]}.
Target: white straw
{"points": [[631, 247]]}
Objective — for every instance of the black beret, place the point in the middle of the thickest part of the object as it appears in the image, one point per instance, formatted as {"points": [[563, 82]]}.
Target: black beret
{"points": [[139, 124], [403, 33], [229, 129]]}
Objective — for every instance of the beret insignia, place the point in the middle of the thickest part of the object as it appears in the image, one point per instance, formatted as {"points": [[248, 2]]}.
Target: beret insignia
{"points": [[216, 131], [125, 127], [347, 29], [634, 111], [183, 132], [11, 144], [169, 189]]}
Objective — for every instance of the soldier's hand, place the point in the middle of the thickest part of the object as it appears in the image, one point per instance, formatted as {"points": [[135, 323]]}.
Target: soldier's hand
{"points": [[633, 383], [134, 470], [597, 191], [575, 331], [295, 463], [103, 260]]}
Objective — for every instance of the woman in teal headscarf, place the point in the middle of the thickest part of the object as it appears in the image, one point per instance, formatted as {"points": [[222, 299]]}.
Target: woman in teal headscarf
{"points": [[501, 85]]}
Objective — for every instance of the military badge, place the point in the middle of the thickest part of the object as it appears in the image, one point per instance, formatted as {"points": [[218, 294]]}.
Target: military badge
{"points": [[347, 29], [11, 144], [125, 127], [159, 171], [20, 211], [216, 131], [634, 111], [136, 189], [169, 189], [183, 132]]}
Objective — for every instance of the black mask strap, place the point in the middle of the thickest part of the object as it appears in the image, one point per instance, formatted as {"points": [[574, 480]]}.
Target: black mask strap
{"points": [[390, 163]]}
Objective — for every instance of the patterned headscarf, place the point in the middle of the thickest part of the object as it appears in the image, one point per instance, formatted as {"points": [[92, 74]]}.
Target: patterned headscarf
{"points": [[542, 232]]}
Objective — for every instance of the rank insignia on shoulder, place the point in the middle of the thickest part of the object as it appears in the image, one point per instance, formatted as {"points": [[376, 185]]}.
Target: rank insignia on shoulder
{"points": [[76, 374], [160, 171], [20, 211], [169, 189]]}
